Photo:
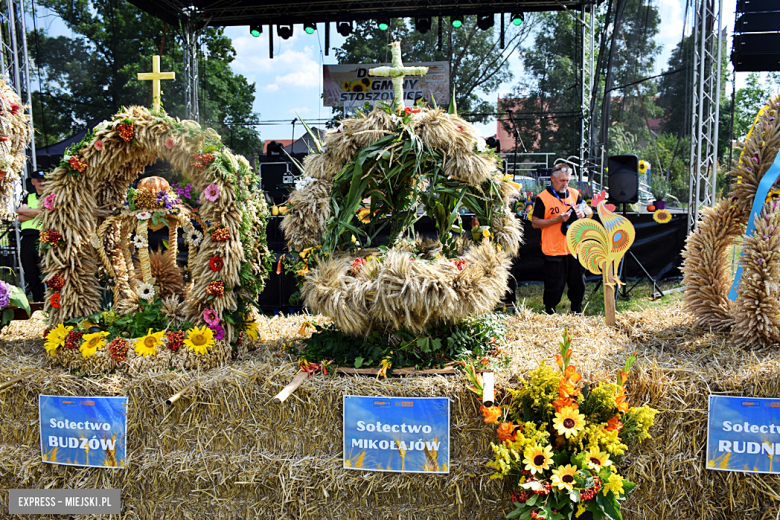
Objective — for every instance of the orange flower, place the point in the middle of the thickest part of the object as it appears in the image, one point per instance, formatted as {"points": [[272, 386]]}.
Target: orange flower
{"points": [[55, 300], [491, 414], [559, 361], [614, 424], [620, 400], [506, 431], [571, 374]]}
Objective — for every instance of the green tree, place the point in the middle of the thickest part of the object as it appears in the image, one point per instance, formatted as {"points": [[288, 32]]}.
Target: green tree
{"points": [[749, 100], [478, 64], [90, 76]]}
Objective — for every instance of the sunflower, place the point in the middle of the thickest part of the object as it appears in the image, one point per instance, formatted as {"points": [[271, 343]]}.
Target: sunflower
{"points": [[147, 346], [92, 342], [199, 339], [346, 86], [597, 459], [252, 330], [56, 338], [537, 458], [358, 87], [563, 477], [662, 216], [366, 82], [643, 166], [568, 421], [145, 291]]}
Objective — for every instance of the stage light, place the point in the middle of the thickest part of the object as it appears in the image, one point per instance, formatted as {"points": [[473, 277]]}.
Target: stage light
{"points": [[423, 25], [485, 21], [309, 28], [517, 18], [255, 29], [285, 32], [383, 24], [344, 28], [457, 21]]}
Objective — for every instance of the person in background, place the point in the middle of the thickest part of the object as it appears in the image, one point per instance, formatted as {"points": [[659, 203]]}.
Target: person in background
{"points": [[554, 209], [28, 214]]}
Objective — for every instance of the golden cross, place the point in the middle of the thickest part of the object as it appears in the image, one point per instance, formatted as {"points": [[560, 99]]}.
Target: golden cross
{"points": [[155, 76], [397, 72]]}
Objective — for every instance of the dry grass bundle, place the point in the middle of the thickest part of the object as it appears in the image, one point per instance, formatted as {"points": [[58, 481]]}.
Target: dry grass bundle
{"points": [[166, 274], [225, 445], [15, 131], [757, 309], [707, 274], [400, 292]]}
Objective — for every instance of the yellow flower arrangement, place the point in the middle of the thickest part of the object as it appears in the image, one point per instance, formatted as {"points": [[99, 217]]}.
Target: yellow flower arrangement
{"points": [[92, 342], [147, 345], [200, 339], [568, 440], [569, 421], [563, 477], [537, 458], [643, 166], [56, 338]]}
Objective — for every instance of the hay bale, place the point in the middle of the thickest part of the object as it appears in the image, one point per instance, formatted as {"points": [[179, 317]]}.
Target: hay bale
{"points": [[225, 447]]}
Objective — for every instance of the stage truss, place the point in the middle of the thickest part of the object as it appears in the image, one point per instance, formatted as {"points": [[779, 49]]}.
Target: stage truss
{"points": [[705, 112]]}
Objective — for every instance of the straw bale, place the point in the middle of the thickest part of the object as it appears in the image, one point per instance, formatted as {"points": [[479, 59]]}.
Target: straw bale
{"points": [[305, 222], [225, 450]]}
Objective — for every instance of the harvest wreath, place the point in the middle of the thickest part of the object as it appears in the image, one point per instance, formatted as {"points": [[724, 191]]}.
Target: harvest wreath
{"points": [[85, 229], [14, 137], [754, 314], [375, 177]]}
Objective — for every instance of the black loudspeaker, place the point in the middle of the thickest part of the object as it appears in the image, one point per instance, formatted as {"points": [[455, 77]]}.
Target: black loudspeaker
{"points": [[758, 22], [623, 179], [751, 6], [756, 52]]}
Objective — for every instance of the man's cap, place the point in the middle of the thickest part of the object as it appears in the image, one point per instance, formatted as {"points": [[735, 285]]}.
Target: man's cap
{"points": [[38, 174]]}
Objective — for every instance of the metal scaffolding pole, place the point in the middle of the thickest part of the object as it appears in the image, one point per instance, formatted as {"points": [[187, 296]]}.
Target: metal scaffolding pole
{"points": [[705, 107], [191, 105], [587, 28]]}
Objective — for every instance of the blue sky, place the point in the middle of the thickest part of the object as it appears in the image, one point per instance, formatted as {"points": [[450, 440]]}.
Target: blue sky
{"points": [[291, 82]]}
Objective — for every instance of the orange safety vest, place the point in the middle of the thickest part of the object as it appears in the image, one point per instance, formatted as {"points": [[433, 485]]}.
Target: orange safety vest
{"points": [[553, 241]]}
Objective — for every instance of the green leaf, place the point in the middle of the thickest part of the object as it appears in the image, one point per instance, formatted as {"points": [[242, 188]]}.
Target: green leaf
{"points": [[453, 109], [19, 299], [358, 362], [8, 315], [165, 244]]}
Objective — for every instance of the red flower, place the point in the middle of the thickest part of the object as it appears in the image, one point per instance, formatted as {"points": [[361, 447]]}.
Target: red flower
{"points": [[216, 263], [77, 164], [55, 300], [169, 143], [118, 349], [416, 110], [126, 131], [408, 110], [56, 282], [175, 339], [220, 234]]}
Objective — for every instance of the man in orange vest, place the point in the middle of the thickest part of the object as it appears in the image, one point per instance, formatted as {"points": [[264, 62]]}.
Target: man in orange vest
{"points": [[554, 210]]}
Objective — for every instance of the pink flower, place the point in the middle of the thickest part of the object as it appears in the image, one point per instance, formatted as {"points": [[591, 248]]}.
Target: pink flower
{"points": [[219, 332], [48, 201], [169, 143], [211, 192], [99, 144], [211, 317]]}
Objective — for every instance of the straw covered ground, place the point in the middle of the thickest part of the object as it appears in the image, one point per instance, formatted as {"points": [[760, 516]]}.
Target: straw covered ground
{"points": [[226, 451]]}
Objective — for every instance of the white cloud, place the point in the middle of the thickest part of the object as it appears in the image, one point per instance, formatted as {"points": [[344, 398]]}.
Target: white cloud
{"points": [[273, 87], [290, 68]]}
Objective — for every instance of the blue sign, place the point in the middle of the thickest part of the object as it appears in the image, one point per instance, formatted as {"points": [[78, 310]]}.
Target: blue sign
{"points": [[743, 434], [406, 434], [83, 431]]}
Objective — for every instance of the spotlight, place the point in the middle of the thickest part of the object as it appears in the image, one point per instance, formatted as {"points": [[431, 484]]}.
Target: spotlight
{"points": [[457, 21], [255, 29], [285, 32], [517, 18], [485, 21], [344, 28], [309, 28], [423, 25], [383, 24]]}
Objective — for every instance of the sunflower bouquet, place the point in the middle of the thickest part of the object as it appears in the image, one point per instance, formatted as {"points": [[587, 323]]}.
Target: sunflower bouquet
{"points": [[560, 442]]}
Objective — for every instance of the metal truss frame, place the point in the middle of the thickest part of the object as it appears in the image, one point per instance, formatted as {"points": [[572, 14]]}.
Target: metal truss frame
{"points": [[191, 76], [707, 30], [588, 39]]}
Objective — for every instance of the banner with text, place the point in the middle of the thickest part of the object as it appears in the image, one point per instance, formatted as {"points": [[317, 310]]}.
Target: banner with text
{"points": [[405, 434], [351, 87], [83, 431], [743, 434]]}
